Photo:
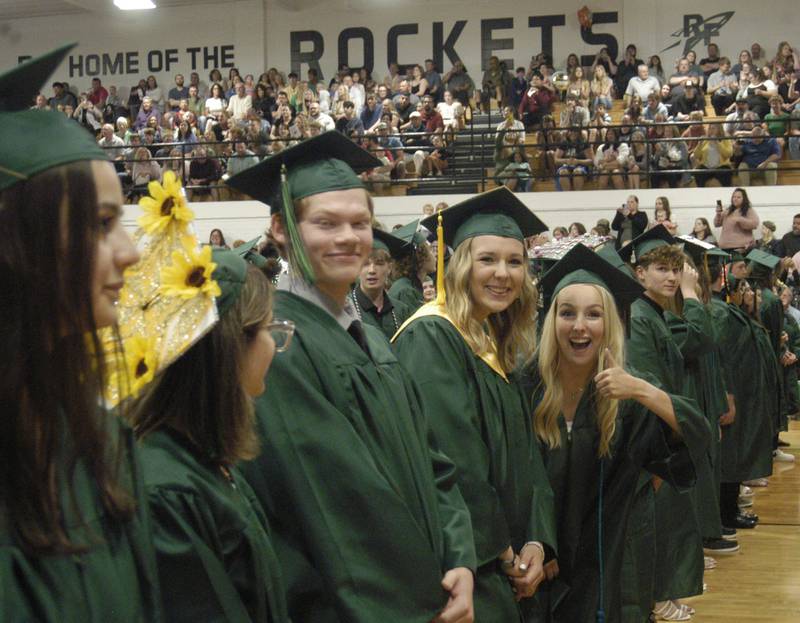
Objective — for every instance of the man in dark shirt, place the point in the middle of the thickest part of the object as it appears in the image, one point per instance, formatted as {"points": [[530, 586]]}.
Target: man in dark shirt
{"points": [[710, 64], [177, 93], [791, 240], [434, 79], [627, 69], [431, 118], [350, 125], [519, 85], [404, 107], [203, 171], [688, 102], [61, 96]]}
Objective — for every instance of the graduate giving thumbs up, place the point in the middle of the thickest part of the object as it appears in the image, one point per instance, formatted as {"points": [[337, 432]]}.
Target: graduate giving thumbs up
{"points": [[614, 382]]}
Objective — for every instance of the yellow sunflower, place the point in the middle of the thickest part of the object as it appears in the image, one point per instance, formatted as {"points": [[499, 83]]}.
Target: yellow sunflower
{"points": [[141, 362], [165, 205], [190, 272]]}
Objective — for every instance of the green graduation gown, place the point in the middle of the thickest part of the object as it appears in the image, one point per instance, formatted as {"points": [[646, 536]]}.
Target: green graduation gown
{"points": [[771, 312], [704, 380], [405, 291], [746, 445], [365, 512], [483, 424], [215, 558], [641, 441], [790, 372], [389, 319], [652, 350], [115, 579]]}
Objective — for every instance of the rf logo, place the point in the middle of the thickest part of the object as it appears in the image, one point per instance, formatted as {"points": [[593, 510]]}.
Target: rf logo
{"points": [[696, 29]]}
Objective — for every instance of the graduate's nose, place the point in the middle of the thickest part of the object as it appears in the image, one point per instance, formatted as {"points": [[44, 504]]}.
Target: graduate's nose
{"points": [[501, 270]]}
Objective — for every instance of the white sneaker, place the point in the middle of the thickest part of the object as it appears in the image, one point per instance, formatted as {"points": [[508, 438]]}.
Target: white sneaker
{"points": [[783, 457]]}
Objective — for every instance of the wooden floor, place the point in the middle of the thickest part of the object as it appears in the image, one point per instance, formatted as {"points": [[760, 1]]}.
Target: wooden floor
{"points": [[762, 581]]}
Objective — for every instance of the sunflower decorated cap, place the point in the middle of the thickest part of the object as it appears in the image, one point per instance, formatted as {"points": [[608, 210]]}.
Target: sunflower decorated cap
{"points": [[646, 242], [497, 212], [249, 253], [582, 266], [395, 247], [410, 234], [33, 141], [173, 296], [325, 163]]}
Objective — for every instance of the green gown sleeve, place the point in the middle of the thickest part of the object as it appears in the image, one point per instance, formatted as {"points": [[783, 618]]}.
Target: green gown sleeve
{"points": [[188, 563], [698, 335], [343, 527], [452, 402]]}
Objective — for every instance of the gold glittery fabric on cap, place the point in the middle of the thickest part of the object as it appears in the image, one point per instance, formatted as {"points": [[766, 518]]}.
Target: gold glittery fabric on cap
{"points": [[166, 305]]}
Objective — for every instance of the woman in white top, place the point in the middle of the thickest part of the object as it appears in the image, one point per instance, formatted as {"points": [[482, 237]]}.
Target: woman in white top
{"points": [[610, 161], [452, 113], [216, 104], [153, 91]]}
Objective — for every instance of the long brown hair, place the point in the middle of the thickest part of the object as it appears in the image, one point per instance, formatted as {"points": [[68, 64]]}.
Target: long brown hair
{"points": [[200, 395], [50, 381], [513, 330]]}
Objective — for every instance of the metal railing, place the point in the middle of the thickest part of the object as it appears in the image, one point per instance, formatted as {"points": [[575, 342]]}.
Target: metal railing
{"points": [[472, 150]]}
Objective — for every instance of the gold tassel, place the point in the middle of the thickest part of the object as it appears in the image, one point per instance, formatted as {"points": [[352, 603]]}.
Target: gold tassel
{"points": [[441, 297]]}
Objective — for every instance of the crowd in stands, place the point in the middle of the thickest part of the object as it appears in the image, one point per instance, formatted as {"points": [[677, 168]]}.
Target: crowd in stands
{"points": [[555, 123]]}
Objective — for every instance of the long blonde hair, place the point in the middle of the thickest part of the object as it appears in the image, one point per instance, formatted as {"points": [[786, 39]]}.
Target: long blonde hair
{"points": [[545, 416], [513, 330]]}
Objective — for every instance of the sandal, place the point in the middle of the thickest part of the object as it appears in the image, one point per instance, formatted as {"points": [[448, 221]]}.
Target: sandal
{"points": [[685, 607], [668, 611]]}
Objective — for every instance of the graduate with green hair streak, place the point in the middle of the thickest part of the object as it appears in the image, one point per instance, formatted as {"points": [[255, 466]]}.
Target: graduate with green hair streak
{"points": [[367, 517]]}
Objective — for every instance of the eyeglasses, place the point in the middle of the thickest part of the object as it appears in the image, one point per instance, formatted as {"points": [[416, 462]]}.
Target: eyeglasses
{"points": [[281, 332]]}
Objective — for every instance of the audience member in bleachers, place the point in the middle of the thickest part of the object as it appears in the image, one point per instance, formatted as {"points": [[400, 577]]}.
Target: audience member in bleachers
{"points": [[627, 69], [576, 230], [519, 84], [713, 155], [670, 158], [777, 120], [663, 215], [690, 100], [786, 64], [654, 107], [744, 58], [536, 102], [573, 159], [656, 69], [579, 86], [573, 114], [459, 83], [601, 87], [62, 97], [759, 89], [695, 69], [203, 172], [494, 84], [598, 124], [113, 144], [790, 242], [760, 154], [517, 175], [723, 86], [681, 76], [641, 85], [711, 63], [143, 171], [610, 160]]}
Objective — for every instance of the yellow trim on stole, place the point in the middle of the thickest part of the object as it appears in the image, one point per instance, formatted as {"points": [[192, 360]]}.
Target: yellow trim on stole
{"points": [[489, 357]]}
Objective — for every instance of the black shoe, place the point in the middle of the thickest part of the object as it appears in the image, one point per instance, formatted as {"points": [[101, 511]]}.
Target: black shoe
{"points": [[714, 547], [728, 533], [749, 515], [740, 521]]}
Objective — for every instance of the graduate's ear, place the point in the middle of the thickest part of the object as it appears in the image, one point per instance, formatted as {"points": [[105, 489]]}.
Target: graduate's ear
{"points": [[278, 230], [640, 270]]}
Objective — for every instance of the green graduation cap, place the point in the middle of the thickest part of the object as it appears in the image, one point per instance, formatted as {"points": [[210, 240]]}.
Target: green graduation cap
{"points": [[646, 242], [33, 141], [395, 247], [497, 212], [735, 256], [325, 163], [410, 234], [762, 260], [582, 266], [249, 253], [699, 250], [230, 274]]}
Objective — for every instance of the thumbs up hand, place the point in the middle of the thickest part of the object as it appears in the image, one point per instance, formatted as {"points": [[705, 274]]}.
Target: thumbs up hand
{"points": [[614, 382]]}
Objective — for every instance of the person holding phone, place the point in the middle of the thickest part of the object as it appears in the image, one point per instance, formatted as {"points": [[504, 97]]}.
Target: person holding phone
{"points": [[629, 221], [737, 222]]}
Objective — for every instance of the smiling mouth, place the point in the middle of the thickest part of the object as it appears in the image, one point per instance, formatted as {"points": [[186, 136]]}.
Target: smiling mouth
{"points": [[496, 291], [580, 345]]}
